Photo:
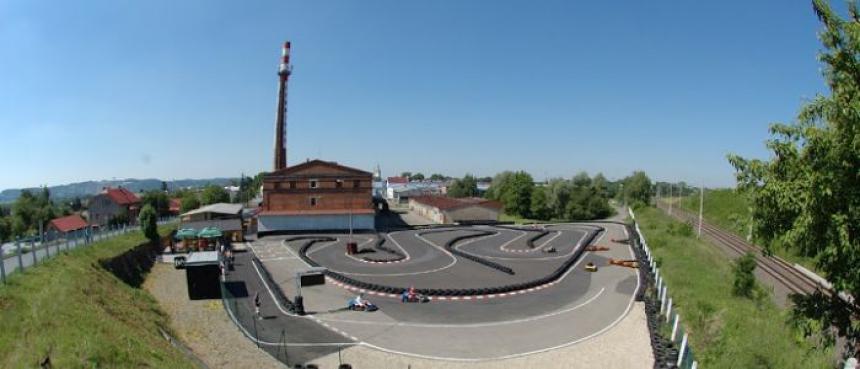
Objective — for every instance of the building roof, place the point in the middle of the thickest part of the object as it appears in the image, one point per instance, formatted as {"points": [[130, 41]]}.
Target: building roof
{"points": [[296, 169], [400, 180], [69, 223], [448, 203], [121, 196], [226, 225], [200, 258], [318, 212], [219, 208]]}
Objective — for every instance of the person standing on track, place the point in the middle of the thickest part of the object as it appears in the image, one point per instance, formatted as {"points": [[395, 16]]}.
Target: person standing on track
{"points": [[257, 306]]}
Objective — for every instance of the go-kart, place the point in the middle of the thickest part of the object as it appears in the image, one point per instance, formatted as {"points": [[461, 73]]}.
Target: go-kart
{"points": [[366, 306], [591, 267], [415, 297]]}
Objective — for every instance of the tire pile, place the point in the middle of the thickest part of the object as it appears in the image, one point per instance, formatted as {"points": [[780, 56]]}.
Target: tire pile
{"points": [[665, 352], [555, 275]]}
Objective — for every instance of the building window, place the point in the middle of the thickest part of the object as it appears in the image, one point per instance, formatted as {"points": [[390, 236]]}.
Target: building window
{"points": [[292, 184], [356, 184], [338, 184], [314, 183], [314, 201]]}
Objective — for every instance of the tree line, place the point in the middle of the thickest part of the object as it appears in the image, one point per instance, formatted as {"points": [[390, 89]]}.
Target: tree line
{"points": [[581, 197]]}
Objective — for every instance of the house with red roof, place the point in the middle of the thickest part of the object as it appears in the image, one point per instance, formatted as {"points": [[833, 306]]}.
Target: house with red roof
{"points": [[66, 224], [117, 204], [446, 210]]}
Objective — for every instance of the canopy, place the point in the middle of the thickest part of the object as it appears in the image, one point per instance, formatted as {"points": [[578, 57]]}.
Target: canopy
{"points": [[186, 233], [209, 232]]}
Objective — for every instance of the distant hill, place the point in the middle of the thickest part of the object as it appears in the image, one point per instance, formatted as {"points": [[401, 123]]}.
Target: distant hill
{"points": [[89, 188]]}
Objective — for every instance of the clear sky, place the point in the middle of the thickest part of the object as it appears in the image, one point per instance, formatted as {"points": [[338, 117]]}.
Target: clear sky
{"points": [[186, 89]]}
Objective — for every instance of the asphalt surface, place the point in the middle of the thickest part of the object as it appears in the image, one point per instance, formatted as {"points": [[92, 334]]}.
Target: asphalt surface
{"points": [[579, 306]]}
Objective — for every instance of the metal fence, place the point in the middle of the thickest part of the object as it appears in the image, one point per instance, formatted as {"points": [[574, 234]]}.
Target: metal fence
{"points": [[668, 322], [28, 252]]}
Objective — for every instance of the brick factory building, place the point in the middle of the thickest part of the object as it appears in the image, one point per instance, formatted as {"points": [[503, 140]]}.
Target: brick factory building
{"points": [[317, 195]]}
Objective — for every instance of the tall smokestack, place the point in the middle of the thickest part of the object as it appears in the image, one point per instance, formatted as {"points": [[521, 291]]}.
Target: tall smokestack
{"points": [[284, 70]]}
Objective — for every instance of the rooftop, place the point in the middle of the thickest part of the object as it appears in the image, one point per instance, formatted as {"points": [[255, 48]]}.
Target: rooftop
{"points": [[69, 223], [219, 208]]}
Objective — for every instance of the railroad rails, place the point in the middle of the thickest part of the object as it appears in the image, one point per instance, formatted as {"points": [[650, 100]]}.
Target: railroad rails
{"points": [[781, 271]]}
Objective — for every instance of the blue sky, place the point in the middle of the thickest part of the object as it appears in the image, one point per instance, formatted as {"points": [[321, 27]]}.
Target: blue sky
{"points": [[179, 89]]}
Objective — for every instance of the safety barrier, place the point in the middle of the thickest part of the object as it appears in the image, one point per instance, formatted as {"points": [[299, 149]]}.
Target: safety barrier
{"points": [[669, 352]]}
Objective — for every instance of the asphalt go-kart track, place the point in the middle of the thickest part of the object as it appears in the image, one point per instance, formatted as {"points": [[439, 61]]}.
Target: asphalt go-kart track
{"points": [[494, 292]]}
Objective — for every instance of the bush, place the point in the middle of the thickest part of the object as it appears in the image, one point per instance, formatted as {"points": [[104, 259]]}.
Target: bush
{"points": [[148, 223], [743, 268]]}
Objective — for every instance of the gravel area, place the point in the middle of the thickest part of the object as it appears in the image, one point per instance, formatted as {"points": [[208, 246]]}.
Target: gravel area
{"points": [[203, 325]]}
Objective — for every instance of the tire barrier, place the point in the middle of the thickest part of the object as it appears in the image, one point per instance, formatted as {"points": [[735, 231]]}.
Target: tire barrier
{"points": [[531, 241], [450, 247], [279, 294], [554, 276]]}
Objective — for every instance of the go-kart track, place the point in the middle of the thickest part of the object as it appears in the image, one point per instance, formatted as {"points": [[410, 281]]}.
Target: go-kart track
{"points": [[494, 292]]}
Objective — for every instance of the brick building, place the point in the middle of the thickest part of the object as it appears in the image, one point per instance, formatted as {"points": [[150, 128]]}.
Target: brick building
{"points": [[317, 195]]}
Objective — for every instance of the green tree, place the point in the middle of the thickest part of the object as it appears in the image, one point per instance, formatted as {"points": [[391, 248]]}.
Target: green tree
{"points": [[637, 189], [406, 175], [158, 200], [188, 202], [743, 269], [417, 177], [437, 177], [212, 194], [5, 228], [148, 225], [539, 207], [465, 187], [517, 194], [558, 195], [807, 197]]}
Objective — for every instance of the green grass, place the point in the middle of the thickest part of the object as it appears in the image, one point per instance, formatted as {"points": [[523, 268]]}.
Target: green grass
{"points": [[727, 209], [82, 315], [504, 217], [725, 331]]}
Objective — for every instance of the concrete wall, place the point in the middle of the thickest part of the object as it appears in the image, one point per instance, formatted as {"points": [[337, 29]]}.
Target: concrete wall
{"points": [[428, 212], [270, 223], [472, 213]]}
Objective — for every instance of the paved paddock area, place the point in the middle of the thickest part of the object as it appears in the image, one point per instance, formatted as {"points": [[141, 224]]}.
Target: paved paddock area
{"points": [[576, 309]]}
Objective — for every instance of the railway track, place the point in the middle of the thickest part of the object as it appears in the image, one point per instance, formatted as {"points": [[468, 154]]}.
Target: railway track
{"points": [[782, 271]]}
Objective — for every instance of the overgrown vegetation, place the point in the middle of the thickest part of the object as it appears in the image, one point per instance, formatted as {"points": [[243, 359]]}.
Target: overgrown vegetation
{"points": [[82, 316], [148, 221], [725, 330], [464, 187], [807, 197], [744, 277]]}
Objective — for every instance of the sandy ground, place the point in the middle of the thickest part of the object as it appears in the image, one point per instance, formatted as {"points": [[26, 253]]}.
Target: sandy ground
{"points": [[203, 325]]}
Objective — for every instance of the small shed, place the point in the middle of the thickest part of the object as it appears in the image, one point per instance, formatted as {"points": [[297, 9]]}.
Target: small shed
{"points": [[202, 275]]}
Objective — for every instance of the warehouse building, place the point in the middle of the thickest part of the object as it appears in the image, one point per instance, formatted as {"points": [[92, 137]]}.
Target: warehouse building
{"points": [[447, 210]]}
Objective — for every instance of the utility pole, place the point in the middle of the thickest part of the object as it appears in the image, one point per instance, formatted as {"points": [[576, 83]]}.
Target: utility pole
{"points": [[701, 207]]}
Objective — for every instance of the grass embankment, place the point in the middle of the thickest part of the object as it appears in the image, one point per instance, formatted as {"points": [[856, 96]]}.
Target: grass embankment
{"points": [[72, 309], [729, 210], [725, 331]]}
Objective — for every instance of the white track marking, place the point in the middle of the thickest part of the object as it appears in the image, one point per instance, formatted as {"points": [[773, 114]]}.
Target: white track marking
{"points": [[504, 246], [324, 246], [572, 251], [453, 261], [473, 325]]}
